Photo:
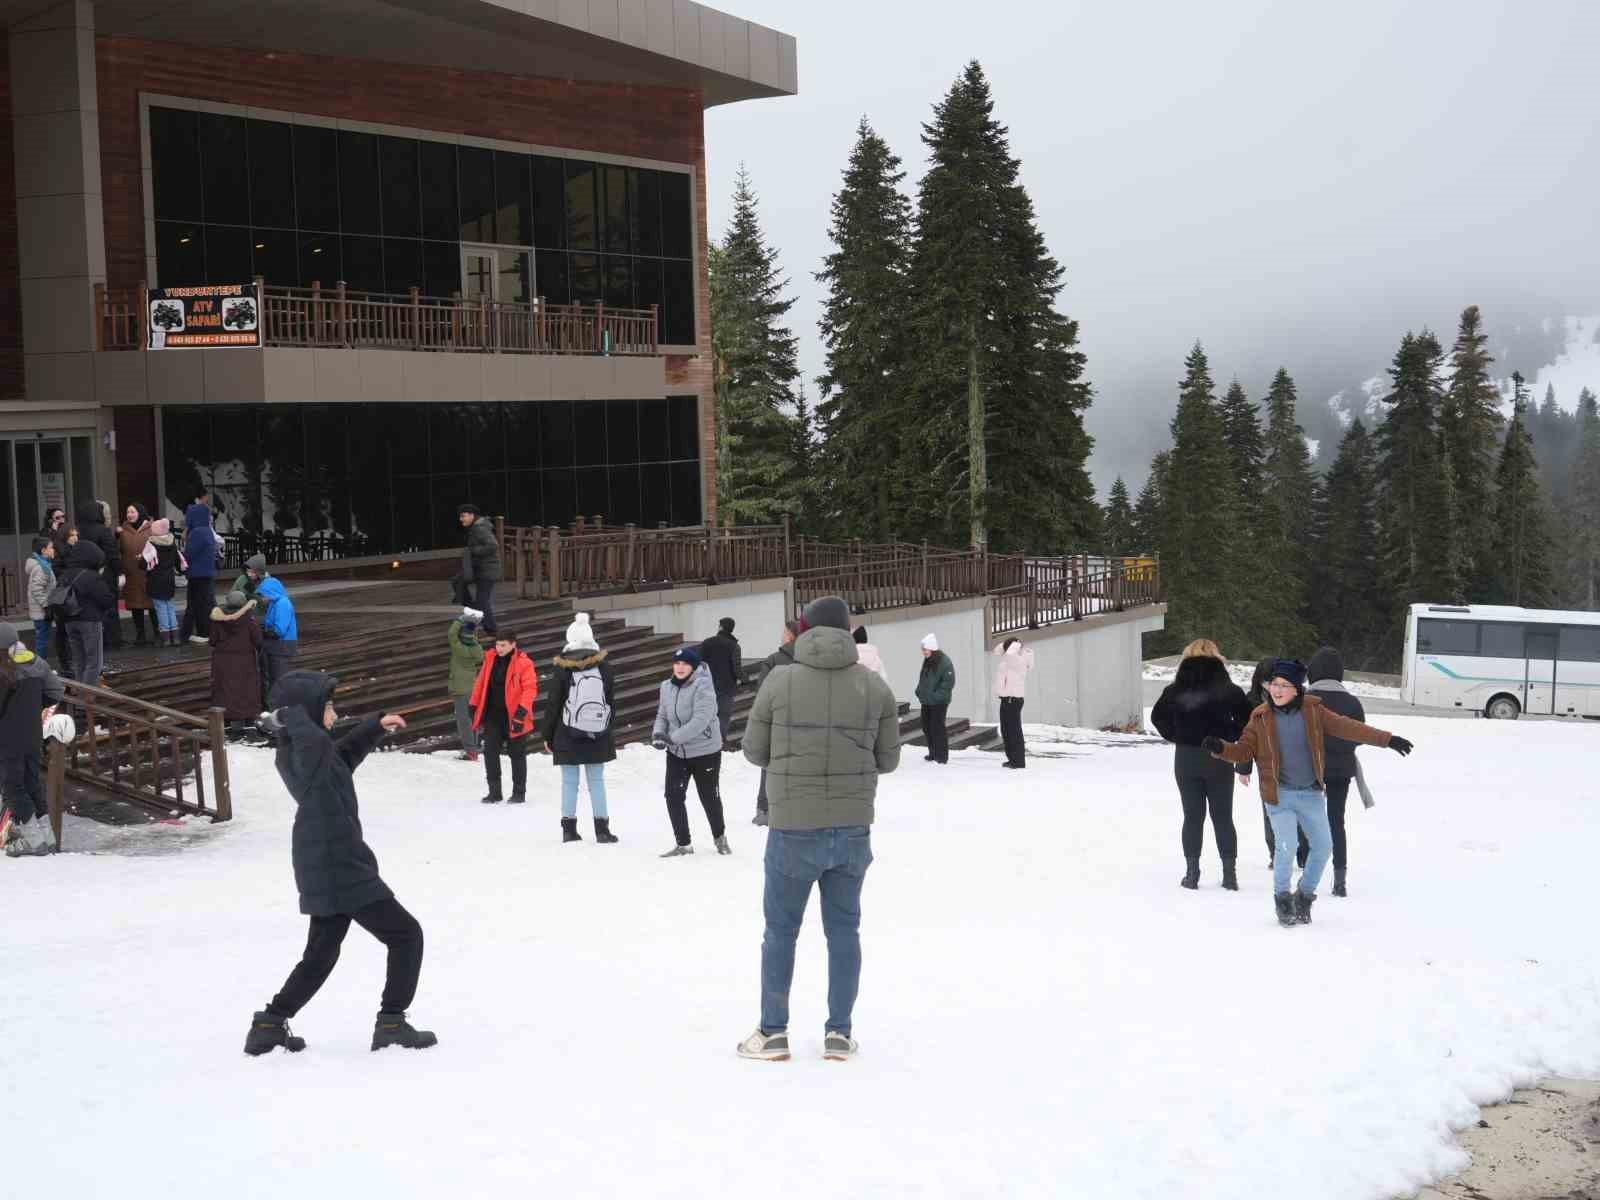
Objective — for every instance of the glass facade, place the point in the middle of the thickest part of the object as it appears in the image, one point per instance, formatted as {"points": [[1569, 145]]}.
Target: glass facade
{"points": [[335, 480], [303, 204]]}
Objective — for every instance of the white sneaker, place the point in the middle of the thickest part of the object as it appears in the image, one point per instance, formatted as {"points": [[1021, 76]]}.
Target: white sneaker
{"points": [[837, 1047], [765, 1047], [30, 839], [197, 640]]}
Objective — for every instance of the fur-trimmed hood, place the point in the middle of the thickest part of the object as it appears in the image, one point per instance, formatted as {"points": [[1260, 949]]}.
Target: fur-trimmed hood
{"points": [[572, 659]]}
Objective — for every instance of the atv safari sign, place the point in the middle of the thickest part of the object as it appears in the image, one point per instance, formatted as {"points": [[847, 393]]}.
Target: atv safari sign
{"points": [[227, 314]]}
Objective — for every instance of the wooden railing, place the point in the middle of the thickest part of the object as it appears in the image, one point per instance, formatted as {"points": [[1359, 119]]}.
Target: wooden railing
{"points": [[10, 590], [592, 560], [336, 317], [1085, 588], [144, 753]]}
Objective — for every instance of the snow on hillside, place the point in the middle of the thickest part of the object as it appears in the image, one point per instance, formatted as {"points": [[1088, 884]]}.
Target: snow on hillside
{"points": [[1577, 367], [1242, 672], [1043, 1011]]}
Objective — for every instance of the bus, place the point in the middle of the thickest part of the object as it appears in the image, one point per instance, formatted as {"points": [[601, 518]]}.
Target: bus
{"points": [[1502, 662]]}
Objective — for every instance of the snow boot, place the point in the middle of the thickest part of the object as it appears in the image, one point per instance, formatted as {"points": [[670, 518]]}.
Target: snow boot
{"points": [[678, 852], [493, 797], [1230, 876], [1338, 882], [569, 829], [392, 1029], [722, 845], [29, 839], [1191, 877], [602, 830], [759, 819], [838, 1047], [518, 798], [1302, 907], [268, 1031], [765, 1047], [1285, 905]]}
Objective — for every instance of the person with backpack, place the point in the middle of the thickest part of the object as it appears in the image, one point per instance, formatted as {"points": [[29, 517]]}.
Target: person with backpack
{"points": [[235, 658], [280, 630], [201, 551], [781, 657], [686, 727], [40, 573], [1287, 738], [502, 713], [132, 538], [82, 599], [162, 562], [466, 657], [936, 687], [29, 692], [577, 727], [335, 872]]}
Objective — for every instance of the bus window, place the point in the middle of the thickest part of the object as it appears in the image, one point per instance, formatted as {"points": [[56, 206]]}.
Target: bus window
{"points": [[1502, 640], [1447, 637], [1580, 645]]}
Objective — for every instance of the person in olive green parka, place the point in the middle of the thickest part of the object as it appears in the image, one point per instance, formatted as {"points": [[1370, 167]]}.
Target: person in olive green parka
{"points": [[466, 658]]}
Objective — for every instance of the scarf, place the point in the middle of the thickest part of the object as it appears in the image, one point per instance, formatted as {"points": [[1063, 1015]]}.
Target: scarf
{"points": [[44, 564], [1334, 685]]}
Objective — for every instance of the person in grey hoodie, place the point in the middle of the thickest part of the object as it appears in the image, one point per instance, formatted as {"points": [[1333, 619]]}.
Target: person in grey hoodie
{"points": [[823, 729], [688, 730]]}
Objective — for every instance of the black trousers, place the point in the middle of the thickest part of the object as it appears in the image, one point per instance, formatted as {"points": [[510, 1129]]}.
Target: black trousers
{"points": [[724, 711], [385, 920], [138, 621], [1011, 730], [933, 730], [202, 596], [277, 660], [761, 792], [63, 647], [20, 785], [707, 774], [1205, 784], [483, 593], [1337, 792], [495, 740]]}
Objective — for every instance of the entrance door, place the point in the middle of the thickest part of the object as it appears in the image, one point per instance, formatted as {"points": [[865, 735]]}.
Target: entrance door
{"points": [[1542, 648], [500, 277]]}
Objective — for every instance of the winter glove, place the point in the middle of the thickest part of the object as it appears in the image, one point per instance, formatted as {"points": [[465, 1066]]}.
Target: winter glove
{"points": [[659, 742], [1211, 745], [518, 717], [1400, 745]]}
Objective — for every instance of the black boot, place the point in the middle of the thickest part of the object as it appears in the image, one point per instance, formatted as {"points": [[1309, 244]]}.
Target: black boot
{"points": [[1191, 877], [1302, 907], [393, 1029], [493, 797], [602, 830], [1230, 877], [518, 798], [1285, 905], [569, 829], [1338, 882], [268, 1031]]}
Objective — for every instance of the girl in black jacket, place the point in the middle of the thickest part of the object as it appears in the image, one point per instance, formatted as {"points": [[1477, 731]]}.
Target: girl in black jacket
{"points": [[576, 727], [1202, 701]]}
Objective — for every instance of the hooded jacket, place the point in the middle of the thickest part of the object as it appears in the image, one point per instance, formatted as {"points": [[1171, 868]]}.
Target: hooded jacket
{"points": [[781, 657], [686, 715], [824, 729], [27, 688], [161, 580], [200, 544], [722, 654], [82, 572], [1325, 677], [1201, 701], [41, 576], [235, 669], [937, 683], [1259, 742], [334, 869], [466, 657], [93, 529], [568, 746], [1011, 677], [279, 621], [521, 691]]}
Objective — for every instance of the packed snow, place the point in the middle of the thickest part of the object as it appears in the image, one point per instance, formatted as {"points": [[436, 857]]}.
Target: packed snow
{"points": [[1043, 1012], [1241, 673]]}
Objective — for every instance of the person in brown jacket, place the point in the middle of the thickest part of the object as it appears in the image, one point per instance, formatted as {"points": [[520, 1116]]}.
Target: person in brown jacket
{"points": [[235, 662], [131, 539], [1284, 737]]}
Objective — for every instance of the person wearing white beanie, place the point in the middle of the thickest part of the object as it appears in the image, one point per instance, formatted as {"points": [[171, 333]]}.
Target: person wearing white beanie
{"points": [[579, 634], [936, 686], [576, 727], [930, 641]]}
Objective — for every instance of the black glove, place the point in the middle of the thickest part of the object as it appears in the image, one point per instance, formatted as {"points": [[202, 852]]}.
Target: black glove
{"points": [[1400, 745], [1212, 745], [659, 742]]}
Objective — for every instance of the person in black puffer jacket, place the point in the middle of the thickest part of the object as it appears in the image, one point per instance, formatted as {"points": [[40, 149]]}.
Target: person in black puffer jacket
{"points": [[94, 527], [81, 573], [1325, 677], [1202, 701], [576, 726], [335, 871]]}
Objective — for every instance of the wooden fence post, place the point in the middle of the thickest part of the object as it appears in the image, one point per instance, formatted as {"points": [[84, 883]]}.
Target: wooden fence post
{"points": [[222, 789], [555, 563], [788, 566], [344, 317], [924, 572], [55, 786], [144, 315], [1033, 604], [416, 319], [711, 553], [522, 563], [633, 557]]}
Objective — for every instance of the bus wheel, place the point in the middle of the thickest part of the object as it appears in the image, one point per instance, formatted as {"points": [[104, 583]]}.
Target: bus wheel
{"points": [[1503, 708]]}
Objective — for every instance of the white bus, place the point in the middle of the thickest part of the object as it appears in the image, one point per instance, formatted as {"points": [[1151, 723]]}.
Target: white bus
{"points": [[1502, 662]]}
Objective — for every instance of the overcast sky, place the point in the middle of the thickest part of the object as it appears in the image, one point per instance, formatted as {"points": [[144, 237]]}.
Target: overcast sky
{"points": [[1285, 183]]}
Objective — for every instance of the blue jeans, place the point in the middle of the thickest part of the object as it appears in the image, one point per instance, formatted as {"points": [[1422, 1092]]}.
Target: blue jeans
{"points": [[166, 614], [595, 773], [836, 860], [1307, 810], [41, 638]]}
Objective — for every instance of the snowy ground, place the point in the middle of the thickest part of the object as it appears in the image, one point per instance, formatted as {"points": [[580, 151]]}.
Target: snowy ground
{"points": [[1043, 1011], [1242, 672]]}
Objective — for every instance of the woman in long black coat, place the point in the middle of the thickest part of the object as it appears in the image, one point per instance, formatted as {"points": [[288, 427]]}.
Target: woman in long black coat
{"points": [[235, 659], [1201, 702]]}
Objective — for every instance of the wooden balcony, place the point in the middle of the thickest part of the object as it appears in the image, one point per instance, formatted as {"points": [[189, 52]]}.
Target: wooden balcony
{"points": [[335, 318]]}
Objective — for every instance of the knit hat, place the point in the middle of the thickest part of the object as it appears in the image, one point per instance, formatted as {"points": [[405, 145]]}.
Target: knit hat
{"points": [[860, 635], [826, 612], [160, 527], [1291, 669], [234, 601], [1326, 663], [686, 654], [579, 635], [469, 508], [930, 642], [726, 624], [8, 635], [256, 563]]}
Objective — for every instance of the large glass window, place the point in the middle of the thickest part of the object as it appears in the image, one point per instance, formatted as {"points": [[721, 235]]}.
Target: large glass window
{"points": [[1501, 639], [303, 204], [1580, 645]]}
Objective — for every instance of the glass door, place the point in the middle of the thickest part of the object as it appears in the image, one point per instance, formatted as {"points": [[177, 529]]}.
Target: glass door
{"points": [[1542, 649], [500, 275]]}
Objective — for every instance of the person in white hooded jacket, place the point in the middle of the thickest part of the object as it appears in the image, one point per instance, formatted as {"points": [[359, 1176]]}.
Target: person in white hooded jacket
{"points": [[1010, 684], [869, 656]]}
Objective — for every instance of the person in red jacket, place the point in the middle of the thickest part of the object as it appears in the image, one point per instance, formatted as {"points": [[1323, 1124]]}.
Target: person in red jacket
{"points": [[502, 713]]}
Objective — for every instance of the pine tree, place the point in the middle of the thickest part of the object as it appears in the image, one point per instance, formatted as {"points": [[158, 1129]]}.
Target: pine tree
{"points": [[1583, 524], [1290, 496], [1418, 560], [1470, 423], [1241, 429], [1519, 548], [1000, 389], [756, 370], [1148, 518], [865, 414], [1345, 606], [804, 486], [1118, 526]]}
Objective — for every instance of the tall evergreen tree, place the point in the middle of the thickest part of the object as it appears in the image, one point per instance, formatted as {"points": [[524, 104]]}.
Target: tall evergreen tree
{"points": [[1241, 429], [1583, 524], [1000, 386], [1470, 423], [804, 486], [865, 412], [1119, 522], [1555, 444], [1519, 546], [756, 370], [1289, 500], [1345, 606], [1147, 510], [1417, 552]]}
